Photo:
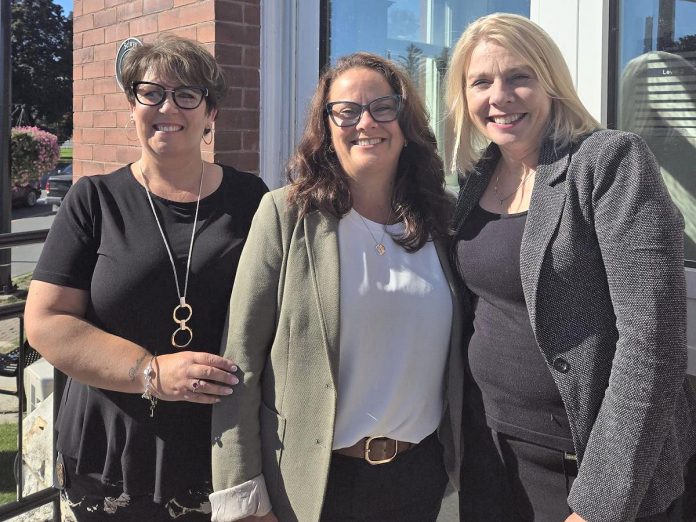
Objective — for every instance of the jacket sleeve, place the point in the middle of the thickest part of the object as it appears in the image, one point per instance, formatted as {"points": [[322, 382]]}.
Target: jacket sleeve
{"points": [[639, 231], [236, 443]]}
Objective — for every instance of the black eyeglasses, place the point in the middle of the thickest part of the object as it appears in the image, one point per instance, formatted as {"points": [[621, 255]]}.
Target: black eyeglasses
{"points": [[186, 97], [382, 110]]}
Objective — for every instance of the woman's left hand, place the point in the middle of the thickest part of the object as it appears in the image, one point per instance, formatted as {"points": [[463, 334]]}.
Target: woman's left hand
{"points": [[194, 377], [575, 518]]}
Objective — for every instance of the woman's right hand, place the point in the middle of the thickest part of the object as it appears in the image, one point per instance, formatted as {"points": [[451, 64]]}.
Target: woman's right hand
{"points": [[193, 376]]}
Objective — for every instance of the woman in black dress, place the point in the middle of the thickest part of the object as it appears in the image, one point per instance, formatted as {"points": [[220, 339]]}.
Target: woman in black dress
{"points": [[129, 299]]}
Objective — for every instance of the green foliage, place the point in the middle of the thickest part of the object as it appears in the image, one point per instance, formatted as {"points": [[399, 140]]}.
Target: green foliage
{"points": [[32, 153], [8, 450], [42, 65]]}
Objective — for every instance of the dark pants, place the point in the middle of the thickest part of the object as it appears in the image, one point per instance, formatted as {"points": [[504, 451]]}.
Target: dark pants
{"points": [[510, 480], [91, 500], [408, 489]]}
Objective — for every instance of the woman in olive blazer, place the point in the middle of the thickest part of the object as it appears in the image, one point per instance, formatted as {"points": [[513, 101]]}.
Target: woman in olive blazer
{"points": [[288, 298], [275, 434]]}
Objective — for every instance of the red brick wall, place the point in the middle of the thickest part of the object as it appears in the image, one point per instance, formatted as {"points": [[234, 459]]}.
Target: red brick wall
{"points": [[231, 31]]}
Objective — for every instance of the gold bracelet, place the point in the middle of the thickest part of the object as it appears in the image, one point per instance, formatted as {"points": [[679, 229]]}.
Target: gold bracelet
{"points": [[148, 394]]}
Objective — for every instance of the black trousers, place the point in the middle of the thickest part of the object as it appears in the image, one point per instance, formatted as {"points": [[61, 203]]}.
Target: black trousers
{"points": [[511, 480], [408, 489]]}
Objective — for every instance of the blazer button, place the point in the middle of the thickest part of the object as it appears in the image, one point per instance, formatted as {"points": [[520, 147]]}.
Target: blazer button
{"points": [[561, 365]]}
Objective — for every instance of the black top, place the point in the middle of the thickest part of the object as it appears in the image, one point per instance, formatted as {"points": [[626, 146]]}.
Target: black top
{"points": [[105, 240], [519, 395]]}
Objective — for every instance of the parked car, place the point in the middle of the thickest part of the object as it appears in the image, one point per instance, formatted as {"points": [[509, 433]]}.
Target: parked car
{"points": [[57, 186], [62, 168], [26, 194]]}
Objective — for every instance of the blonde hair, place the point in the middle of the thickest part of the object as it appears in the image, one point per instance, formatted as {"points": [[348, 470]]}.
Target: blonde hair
{"points": [[569, 118]]}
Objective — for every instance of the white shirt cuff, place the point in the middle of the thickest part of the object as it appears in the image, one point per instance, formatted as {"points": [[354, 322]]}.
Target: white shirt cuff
{"points": [[243, 500]]}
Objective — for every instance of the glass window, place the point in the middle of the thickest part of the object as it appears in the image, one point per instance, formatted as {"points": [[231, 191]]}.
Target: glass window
{"points": [[656, 93], [418, 34]]}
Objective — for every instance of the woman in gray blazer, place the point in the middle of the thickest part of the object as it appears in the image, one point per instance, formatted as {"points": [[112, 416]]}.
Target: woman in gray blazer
{"points": [[572, 250], [341, 325]]}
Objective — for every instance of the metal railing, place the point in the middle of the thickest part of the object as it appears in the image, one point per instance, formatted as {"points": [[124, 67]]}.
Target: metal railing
{"points": [[24, 504]]}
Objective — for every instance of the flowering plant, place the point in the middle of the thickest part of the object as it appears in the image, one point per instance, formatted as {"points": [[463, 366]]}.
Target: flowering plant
{"points": [[33, 152]]}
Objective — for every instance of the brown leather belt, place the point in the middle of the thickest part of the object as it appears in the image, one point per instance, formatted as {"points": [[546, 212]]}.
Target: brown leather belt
{"points": [[376, 450]]}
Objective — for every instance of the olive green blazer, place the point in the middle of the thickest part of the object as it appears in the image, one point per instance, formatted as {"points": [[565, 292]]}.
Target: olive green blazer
{"points": [[284, 336]]}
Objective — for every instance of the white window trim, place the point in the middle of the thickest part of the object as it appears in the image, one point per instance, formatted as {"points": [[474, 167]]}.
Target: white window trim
{"points": [[581, 30], [691, 319], [289, 72]]}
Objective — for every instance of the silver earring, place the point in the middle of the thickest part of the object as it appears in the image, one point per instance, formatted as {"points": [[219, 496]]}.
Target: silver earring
{"points": [[126, 127], [209, 133]]}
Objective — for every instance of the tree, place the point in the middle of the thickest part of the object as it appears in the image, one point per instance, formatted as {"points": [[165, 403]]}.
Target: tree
{"points": [[413, 62], [42, 65], [442, 63]]}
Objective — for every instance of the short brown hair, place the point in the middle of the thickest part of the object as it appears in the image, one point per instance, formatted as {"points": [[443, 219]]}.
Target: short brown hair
{"points": [[318, 182], [175, 58]]}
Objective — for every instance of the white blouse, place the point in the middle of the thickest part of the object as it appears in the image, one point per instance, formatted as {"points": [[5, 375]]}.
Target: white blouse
{"points": [[395, 321]]}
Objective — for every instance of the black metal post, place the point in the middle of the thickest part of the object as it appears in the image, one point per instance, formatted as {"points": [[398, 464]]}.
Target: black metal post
{"points": [[5, 133]]}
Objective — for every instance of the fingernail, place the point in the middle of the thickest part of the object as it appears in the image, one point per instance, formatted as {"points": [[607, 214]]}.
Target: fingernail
{"points": [[228, 391], [217, 400], [233, 368], [235, 380]]}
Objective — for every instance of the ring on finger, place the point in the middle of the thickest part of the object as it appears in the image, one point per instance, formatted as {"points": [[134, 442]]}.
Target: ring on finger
{"points": [[196, 385]]}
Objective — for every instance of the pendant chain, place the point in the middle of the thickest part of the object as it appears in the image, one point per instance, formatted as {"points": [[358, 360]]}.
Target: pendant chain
{"points": [[183, 305], [379, 245], [520, 184]]}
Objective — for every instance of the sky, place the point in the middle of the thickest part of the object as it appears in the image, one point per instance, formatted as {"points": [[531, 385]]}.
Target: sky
{"points": [[67, 5]]}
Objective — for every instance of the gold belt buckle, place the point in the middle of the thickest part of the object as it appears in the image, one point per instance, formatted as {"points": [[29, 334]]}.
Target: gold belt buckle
{"points": [[369, 460]]}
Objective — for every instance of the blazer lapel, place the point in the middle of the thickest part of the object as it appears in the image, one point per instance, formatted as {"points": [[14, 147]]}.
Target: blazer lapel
{"points": [[545, 210], [455, 368], [321, 231], [474, 185]]}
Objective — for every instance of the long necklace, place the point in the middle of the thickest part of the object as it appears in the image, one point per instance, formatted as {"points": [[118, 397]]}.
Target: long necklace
{"points": [[183, 308], [503, 199], [379, 245]]}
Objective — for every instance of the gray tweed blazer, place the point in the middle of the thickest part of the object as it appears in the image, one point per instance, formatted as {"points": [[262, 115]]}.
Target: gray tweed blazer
{"points": [[603, 278]]}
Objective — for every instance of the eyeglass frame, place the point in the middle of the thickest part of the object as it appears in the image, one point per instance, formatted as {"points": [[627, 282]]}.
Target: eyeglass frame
{"points": [[204, 91], [398, 97]]}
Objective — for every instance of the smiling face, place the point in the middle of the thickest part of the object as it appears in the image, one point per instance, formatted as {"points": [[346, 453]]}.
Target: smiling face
{"points": [[506, 102], [166, 129], [369, 148]]}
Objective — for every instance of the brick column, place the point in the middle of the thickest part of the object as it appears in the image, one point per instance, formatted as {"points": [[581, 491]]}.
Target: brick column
{"points": [[231, 31]]}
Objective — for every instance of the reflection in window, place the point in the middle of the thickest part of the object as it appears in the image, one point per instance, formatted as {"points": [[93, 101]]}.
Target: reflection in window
{"points": [[418, 34], [657, 93]]}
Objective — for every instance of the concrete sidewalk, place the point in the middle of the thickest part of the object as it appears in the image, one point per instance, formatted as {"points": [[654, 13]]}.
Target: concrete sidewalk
{"points": [[9, 404]]}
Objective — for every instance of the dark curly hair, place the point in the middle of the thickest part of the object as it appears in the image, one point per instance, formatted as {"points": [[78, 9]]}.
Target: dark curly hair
{"points": [[318, 182]]}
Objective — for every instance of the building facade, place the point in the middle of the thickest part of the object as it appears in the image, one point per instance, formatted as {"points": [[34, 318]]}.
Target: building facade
{"points": [[633, 63]]}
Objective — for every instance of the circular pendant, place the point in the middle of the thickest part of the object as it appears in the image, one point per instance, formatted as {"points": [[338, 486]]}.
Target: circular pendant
{"points": [[182, 337], [187, 310]]}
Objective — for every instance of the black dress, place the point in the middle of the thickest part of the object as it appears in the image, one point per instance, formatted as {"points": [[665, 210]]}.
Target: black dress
{"points": [[517, 434], [105, 240]]}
